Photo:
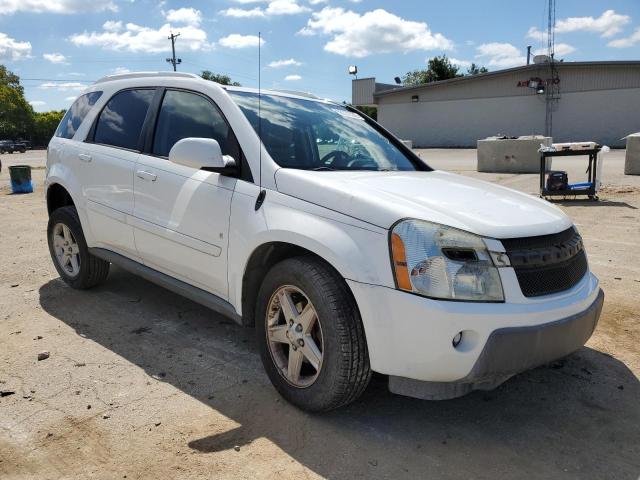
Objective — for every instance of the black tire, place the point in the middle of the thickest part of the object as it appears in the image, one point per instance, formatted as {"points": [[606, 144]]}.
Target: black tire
{"points": [[345, 370], [93, 270]]}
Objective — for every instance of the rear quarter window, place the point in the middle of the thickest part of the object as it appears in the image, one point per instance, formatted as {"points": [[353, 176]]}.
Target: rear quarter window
{"points": [[120, 122], [76, 114]]}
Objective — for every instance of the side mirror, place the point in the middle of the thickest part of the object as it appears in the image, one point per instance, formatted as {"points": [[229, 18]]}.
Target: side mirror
{"points": [[202, 153]]}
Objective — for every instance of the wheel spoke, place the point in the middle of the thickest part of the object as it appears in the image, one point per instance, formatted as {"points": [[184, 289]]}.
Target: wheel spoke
{"points": [[311, 352], [75, 266], [307, 318], [58, 241], [75, 250], [295, 364], [67, 234], [278, 333], [288, 307]]}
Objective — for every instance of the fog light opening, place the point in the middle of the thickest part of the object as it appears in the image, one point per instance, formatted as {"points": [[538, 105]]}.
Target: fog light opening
{"points": [[457, 339]]}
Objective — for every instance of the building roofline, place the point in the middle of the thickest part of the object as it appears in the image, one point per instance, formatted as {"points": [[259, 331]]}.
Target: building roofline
{"points": [[495, 73]]}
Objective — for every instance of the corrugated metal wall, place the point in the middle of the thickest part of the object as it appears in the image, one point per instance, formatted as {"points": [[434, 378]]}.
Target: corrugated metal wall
{"points": [[600, 103]]}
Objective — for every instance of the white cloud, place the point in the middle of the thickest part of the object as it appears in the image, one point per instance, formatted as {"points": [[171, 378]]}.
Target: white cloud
{"points": [[242, 13], [317, 2], [70, 99], [63, 86], [187, 16], [136, 38], [626, 42], [274, 7], [501, 55], [285, 63], [112, 26], [561, 50], [460, 63], [11, 49], [120, 70], [240, 41], [54, 57], [37, 103], [285, 7], [8, 7], [377, 31], [607, 25], [293, 78], [245, 2], [536, 34]]}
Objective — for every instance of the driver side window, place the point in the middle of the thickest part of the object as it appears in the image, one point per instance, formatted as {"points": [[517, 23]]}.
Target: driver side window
{"points": [[185, 114]]}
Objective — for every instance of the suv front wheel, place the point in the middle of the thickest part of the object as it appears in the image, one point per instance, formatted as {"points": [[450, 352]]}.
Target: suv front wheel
{"points": [[69, 251], [310, 335]]}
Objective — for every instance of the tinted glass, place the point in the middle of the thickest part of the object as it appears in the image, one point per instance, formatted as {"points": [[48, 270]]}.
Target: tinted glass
{"points": [[121, 120], [185, 114], [75, 115], [314, 135]]}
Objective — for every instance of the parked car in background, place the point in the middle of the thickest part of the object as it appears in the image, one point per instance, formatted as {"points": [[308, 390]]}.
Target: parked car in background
{"points": [[6, 146], [309, 221], [27, 143], [9, 146]]}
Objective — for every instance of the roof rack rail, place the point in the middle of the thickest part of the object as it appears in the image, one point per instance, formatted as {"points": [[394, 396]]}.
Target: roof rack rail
{"points": [[298, 93], [123, 76]]}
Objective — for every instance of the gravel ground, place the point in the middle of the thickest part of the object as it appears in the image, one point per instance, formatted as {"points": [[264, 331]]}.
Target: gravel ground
{"points": [[141, 383]]}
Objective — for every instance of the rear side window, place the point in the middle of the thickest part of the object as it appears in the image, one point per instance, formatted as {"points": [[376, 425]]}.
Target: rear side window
{"points": [[75, 115], [185, 114], [121, 120]]}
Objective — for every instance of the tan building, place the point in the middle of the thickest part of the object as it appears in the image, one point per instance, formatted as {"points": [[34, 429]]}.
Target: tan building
{"points": [[597, 101]]}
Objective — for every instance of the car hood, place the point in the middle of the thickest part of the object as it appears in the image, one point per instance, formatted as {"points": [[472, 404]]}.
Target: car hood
{"points": [[383, 198]]}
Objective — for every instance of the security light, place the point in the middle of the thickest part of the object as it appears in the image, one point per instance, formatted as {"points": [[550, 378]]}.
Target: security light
{"points": [[353, 70]]}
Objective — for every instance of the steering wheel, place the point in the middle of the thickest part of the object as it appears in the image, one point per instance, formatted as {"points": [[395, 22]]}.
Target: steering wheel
{"points": [[337, 157]]}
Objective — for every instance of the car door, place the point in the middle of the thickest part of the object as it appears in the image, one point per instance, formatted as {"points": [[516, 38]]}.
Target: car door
{"points": [[107, 161], [181, 214]]}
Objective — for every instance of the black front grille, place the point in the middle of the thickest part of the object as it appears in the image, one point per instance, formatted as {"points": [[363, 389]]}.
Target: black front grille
{"points": [[548, 263]]}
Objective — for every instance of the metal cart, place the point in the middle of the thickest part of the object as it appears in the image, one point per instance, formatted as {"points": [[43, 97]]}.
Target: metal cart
{"points": [[586, 189]]}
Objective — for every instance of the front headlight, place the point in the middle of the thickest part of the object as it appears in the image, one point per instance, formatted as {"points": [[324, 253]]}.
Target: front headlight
{"points": [[443, 262]]}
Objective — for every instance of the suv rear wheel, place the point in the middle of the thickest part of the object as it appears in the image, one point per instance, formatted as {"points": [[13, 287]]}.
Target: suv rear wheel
{"points": [[69, 251], [310, 335]]}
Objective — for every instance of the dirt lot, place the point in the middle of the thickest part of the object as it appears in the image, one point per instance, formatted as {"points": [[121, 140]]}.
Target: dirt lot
{"points": [[144, 384]]}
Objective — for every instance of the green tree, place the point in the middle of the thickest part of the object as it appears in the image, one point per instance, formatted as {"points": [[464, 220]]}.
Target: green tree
{"points": [[10, 79], [219, 78], [44, 126], [16, 115], [438, 68], [476, 69]]}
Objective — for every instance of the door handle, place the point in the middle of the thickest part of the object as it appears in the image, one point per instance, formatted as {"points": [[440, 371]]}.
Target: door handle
{"points": [[144, 175], [85, 157]]}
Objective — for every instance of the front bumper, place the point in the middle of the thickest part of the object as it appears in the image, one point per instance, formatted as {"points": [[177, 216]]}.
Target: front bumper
{"points": [[509, 351], [410, 336]]}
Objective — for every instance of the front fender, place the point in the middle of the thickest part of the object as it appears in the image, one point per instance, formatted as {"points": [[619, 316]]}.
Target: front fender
{"points": [[358, 251]]}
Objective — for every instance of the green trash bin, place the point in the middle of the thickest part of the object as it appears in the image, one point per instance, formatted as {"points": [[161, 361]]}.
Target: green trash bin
{"points": [[21, 179]]}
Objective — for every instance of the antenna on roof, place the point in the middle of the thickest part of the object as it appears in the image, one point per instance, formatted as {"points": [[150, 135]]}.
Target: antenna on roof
{"points": [[263, 193]]}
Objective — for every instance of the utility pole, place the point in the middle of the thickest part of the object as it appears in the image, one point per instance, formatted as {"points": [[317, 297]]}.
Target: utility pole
{"points": [[173, 60]]}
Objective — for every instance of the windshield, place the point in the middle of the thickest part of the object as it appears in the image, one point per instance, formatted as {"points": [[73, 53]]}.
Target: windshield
{"points": [[312, 135]]}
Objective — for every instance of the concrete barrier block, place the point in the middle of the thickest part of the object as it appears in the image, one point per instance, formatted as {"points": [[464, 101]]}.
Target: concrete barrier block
{"points": [[407, 143], [511, 155], [632, 157]]}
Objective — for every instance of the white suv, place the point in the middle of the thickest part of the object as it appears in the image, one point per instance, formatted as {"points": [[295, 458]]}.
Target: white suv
{"points": [[311, 222]]}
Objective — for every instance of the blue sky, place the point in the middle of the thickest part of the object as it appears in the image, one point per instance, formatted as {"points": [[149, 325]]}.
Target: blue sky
{"points": [[58, 46]]}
